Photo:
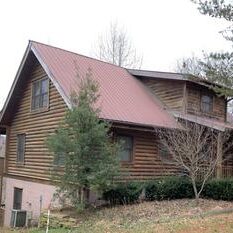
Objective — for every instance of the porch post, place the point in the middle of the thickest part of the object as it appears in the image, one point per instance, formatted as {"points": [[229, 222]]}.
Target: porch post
{"points": [[219, 155]]}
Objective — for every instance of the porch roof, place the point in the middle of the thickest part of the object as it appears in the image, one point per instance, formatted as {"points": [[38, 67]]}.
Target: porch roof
{"points": [[209, 122]]}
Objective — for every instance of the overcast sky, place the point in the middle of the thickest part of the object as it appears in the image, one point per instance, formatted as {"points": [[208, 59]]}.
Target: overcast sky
{"points": [[162, 31]]}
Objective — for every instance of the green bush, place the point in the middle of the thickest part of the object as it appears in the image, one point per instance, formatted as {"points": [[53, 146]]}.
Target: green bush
{"points": [[168, 188], [219, 189], [124, 193]]}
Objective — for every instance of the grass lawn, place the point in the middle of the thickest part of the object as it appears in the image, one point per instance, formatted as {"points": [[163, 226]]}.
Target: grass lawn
{"points": [[164, 217]]}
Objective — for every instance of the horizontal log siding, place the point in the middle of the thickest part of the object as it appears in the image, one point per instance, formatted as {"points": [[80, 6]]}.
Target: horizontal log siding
{"points": [[170, 92], [36, 126], [146, 163], [194, 93]]}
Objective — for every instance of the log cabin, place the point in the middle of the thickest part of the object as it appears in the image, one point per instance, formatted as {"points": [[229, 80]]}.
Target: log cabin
{"points": [[134, 101]]}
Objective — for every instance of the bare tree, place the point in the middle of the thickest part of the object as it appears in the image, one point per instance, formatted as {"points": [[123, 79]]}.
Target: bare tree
{"points": [[115, 47], [196, 150], [188, 65]]}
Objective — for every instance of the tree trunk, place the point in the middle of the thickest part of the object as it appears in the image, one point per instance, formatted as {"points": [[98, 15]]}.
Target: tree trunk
{"points": [[219, 155], [197, 195]]}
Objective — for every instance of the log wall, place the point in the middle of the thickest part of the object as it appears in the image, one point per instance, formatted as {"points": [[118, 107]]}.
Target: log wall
{"points": [[170, 92], [37, 126], [146, 163], [194, 93]]}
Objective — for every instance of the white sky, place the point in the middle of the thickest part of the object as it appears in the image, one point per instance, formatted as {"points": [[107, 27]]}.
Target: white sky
{"points": [[162, 31]]}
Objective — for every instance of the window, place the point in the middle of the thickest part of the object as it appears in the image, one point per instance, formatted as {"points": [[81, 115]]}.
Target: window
{"points": [[17, 203], [163, 152], [40, 94], [206, 103], [59, 159], [2, 145], [20, 147], [126, 151]]}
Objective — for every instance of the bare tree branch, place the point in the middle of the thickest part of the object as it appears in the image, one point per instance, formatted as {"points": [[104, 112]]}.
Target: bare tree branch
{"points": [[194, 151], [115, 47]]}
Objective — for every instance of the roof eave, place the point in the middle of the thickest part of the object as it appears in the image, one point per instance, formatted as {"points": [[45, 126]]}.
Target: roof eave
{"points": [[51, 77], [17, 77], [22, 63]]}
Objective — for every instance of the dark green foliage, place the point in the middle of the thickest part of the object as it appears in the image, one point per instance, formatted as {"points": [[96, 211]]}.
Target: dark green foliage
{"points": [[124, 193], [219, 189], [85, 142], [217, 67], [179, 187], [168, 188], [216, 8]]}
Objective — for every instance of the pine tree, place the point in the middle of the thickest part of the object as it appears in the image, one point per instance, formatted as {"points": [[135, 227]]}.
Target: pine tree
{"points": [[84, 145], [216, 67]]}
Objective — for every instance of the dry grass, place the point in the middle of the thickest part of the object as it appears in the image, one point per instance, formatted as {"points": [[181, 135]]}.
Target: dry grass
{"points": [[178, 216]]}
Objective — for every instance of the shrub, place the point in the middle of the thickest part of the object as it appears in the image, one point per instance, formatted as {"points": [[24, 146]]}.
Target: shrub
{"points": [[124, 193], [219, 189], [169, 188]]}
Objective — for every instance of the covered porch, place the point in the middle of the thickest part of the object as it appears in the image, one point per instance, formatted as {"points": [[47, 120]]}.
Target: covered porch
{"points": [[224, 148]]}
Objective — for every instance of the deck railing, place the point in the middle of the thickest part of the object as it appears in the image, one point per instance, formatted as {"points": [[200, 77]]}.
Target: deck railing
{"points": [[227, 171]]}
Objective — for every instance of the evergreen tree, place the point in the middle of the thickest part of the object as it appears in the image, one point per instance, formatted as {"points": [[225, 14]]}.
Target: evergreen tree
{"points": [[84, 146], [217, 67]]}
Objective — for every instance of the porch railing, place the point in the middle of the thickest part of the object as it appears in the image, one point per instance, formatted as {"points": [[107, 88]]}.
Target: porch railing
{"points": [[227, 171]]}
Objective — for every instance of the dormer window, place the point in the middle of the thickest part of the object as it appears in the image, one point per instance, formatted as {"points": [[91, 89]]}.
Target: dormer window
{"points": [[206, 103], [40, 94]]}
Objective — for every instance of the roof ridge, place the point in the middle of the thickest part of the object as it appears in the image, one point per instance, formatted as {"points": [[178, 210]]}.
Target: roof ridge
{"points": [[69, 51]]}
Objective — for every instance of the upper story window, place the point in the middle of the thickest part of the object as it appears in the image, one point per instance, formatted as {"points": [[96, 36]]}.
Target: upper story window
{"points": [[126, 151], [40, 94], [206, 103], [20, 148]]}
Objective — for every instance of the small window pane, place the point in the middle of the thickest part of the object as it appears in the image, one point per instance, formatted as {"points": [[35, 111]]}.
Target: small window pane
{"points": [[20, 147], [44, 86], [124, 155], [36, 88], [163, 152], [36, 102], [44, 100]]}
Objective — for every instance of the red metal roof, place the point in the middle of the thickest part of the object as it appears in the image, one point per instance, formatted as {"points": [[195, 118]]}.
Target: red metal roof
{"points": [[123, 98]]}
